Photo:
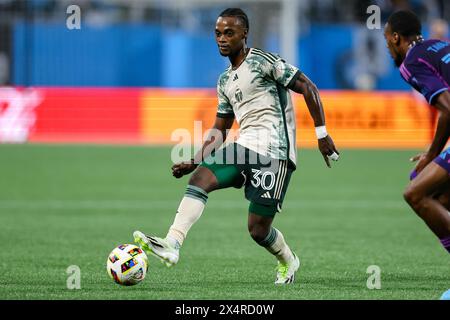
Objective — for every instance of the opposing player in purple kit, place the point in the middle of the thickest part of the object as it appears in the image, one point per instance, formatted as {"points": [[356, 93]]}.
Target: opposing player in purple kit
{"points": [[425, 65]]}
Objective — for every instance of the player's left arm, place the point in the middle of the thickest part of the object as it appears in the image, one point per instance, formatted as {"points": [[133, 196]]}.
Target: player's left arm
{"points": [[308, 89], [442, 103]]}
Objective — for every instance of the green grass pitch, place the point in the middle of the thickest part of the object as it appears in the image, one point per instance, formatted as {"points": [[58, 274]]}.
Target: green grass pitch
{"points": [[71, 205]]}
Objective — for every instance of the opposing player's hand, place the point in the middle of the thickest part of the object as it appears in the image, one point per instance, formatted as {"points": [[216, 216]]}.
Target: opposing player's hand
{"points": [[183, 168], [423, 159], [328, 150]]}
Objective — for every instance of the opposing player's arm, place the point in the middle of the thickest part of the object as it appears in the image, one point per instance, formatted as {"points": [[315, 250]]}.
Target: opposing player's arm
{"points": [[308, 89], [442, 103], [435, 91], [216, 138]]}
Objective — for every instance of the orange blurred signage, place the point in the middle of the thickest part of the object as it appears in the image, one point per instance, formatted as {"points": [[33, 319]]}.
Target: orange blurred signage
{"points": [[354, 119], [161, 116]]}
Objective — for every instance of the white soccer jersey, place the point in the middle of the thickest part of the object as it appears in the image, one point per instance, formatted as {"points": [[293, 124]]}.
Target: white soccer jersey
{"points": [[256, 94]]}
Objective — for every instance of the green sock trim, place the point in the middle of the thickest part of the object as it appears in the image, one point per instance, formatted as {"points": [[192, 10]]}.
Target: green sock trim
{"points": [[200, 190], [196, 198], [196, 193], [270, 239]]}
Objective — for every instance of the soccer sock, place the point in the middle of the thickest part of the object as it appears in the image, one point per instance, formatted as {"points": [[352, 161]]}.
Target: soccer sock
{"points": [[189, 211], [446, 243], [276, 245]]}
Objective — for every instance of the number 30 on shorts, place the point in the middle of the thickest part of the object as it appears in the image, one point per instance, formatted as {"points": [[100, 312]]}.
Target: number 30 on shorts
{"points": [[266, 180]]}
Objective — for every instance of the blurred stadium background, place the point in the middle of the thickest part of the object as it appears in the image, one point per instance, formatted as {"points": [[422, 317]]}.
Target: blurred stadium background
{"points": [[136, 71], [151, 66]]}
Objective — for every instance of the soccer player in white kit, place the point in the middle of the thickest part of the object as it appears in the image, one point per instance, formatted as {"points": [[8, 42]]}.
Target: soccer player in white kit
{"points": [[254, 90]]}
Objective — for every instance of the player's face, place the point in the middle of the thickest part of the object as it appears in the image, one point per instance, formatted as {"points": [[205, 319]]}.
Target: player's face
{"points": [[392, 43], [230, 35]]}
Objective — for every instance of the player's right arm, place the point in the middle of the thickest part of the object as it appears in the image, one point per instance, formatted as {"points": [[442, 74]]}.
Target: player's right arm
{"points": [[217, 136], [215, 139]]}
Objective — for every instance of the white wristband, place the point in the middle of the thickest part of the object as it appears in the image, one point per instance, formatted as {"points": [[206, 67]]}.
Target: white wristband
{"points": [[334, 156], [321, 132]]}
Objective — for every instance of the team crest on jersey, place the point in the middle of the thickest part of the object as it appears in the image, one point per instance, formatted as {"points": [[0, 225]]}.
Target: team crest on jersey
{"points": [[238, 95]]}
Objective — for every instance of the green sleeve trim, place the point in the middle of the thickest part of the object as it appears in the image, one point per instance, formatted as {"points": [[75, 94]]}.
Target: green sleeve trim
{"points": [[225, 115], [294, 78]]}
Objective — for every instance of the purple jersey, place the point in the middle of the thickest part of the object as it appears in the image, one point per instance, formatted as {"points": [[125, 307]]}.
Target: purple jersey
{"points": [[427, 68]]}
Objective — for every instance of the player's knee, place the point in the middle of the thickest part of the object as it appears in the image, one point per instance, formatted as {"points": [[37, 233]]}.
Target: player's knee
{"points": [[258, 232], [203, 179], [197, 180], [417, 200], [444, 200], [411, 196]]}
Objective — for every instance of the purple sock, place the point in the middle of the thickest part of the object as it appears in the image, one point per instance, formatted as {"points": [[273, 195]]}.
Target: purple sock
{"points": [[446, 243]]}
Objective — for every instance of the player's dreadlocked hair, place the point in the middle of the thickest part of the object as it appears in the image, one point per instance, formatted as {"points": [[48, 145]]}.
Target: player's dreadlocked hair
{"points": [[405, 23], [238, 13]]}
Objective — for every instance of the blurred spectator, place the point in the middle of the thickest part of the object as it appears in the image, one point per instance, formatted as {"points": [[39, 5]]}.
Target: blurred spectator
{"points": [[327, 11], [439, 29]]}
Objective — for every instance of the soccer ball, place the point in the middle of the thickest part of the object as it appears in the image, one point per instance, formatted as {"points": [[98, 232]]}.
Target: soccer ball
{"points": [[127, 264], [446, 295]]}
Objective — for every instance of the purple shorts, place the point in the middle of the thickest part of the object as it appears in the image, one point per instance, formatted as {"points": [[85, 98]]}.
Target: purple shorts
{"points": [[443, 160]]}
